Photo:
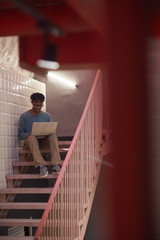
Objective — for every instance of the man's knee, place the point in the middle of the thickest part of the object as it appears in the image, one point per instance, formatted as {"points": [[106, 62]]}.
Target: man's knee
{"points": [[31, 139]]}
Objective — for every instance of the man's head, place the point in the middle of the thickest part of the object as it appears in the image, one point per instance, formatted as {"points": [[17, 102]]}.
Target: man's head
{"points": [[35, 97], [37, 100]]}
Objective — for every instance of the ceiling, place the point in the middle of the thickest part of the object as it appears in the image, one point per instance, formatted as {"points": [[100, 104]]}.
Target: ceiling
{"points": [[75, 30]]}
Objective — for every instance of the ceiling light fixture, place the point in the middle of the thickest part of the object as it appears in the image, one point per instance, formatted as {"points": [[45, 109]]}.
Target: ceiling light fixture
{"points": [[47, 64], [49, 56], [62, 80]]}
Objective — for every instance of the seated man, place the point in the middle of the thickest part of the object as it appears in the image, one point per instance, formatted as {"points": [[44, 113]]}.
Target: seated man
{"points": [[34, 143]]}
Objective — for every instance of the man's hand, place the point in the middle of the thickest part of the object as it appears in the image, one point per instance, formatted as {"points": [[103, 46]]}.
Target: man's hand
{"points": [[38, 137]]}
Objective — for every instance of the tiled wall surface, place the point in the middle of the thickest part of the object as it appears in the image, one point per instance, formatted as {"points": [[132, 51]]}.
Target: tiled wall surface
{"points": [[9, 56], [15, 91]]}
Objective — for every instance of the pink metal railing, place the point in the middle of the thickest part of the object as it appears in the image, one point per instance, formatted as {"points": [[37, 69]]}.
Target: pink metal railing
{"points": [[67, 211]]}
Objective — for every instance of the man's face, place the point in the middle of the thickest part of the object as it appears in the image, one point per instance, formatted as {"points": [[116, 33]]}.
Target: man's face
{"points": [[37, 105]]}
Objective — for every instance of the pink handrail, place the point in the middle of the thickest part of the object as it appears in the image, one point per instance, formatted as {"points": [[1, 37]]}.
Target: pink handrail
{"points": [[59, 179]]}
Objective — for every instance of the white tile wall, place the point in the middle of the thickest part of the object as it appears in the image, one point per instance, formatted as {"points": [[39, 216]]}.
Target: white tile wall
{"points": [[15, 91]]}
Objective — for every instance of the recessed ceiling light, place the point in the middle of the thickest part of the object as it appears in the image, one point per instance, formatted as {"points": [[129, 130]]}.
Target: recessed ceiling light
{"points": [[47, 64]]}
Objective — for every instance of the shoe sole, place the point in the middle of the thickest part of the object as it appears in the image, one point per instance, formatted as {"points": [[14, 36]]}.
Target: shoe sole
{"points": [[44, 176]]}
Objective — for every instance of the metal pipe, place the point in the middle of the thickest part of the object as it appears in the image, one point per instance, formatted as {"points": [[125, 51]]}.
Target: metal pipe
{"points": [[42, 21]]}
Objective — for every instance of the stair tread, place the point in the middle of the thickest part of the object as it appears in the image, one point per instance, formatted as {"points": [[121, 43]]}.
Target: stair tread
{"points": [[19, 222], [27, 163], [23, 205], [27, 238], [61, 150], [29, 176], [63, 147], [25, 190], [16, 238], [64, 142]]}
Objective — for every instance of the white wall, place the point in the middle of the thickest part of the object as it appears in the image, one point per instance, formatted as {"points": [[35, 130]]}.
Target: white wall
{"points": [[15, 90], [9, 55], [16, 86], [66, 104]]}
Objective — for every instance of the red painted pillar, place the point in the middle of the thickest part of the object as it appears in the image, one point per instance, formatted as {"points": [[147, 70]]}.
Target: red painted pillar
{"points": [[128, 181]]}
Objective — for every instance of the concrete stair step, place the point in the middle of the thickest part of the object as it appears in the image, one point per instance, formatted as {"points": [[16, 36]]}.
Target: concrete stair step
{"points": [[29, 222], [30, 238], [61, 150], [16, 238], [23, 205], [27, 163], [8, 222], [63, 147], [18, 166], [29, 176], [64, 143], [26, 190]]}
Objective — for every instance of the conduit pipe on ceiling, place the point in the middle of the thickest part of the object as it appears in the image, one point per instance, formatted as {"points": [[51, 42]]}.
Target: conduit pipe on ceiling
{"points": [[42, 21]]}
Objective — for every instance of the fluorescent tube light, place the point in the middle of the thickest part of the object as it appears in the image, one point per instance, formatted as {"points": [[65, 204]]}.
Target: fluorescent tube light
{"points": [[61, 80]]}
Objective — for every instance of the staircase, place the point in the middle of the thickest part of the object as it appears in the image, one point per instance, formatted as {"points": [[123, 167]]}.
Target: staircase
{"points": [[23, 202], [60, 212]]}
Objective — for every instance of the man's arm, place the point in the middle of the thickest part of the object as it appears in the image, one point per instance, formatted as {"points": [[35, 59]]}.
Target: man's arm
{"points": [[22, 133]]}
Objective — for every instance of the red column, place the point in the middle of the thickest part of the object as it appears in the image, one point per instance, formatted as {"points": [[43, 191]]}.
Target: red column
{"points": [[128, 180]]}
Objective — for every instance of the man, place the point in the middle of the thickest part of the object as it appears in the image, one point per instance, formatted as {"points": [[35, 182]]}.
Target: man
{"points": [[34, 143]]}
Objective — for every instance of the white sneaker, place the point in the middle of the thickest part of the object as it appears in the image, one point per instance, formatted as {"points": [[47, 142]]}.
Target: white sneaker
{"points": [[43, 171], [56, 168]]}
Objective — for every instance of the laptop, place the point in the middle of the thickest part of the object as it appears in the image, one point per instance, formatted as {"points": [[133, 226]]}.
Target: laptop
{"points": [[43, 128]]}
